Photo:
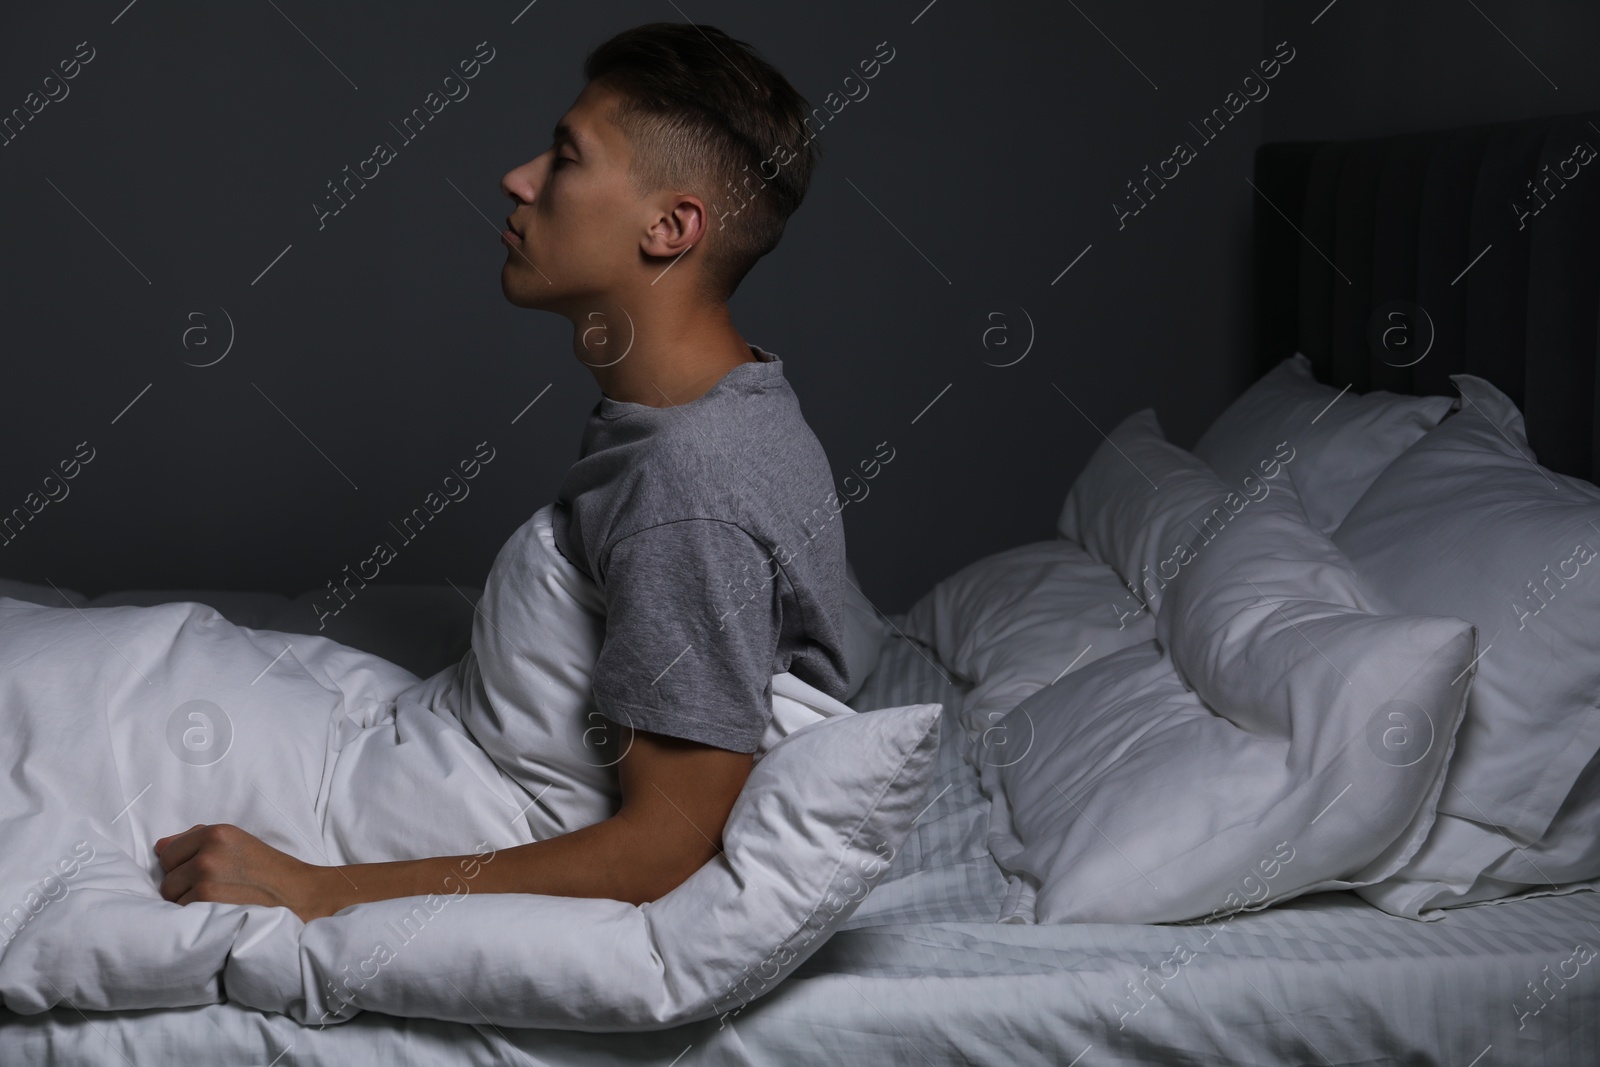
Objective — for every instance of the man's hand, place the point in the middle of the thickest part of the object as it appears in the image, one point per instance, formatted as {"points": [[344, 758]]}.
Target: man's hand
{"points": [[222, 863]]}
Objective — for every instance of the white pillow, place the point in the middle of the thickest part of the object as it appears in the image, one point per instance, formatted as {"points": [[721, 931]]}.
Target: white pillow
{"points": [[1016, 621], [1305, 753], [1465, 862], [1342, 442], [523, 691], [818, 822], [1466, 523], [1135, 509]]}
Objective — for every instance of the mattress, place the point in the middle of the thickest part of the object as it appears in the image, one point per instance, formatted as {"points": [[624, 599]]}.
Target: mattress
{"points": [[924, 974]]}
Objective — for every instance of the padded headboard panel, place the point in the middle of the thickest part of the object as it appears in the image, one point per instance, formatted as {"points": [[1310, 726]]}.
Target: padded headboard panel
{"points": [[1397, 261]]}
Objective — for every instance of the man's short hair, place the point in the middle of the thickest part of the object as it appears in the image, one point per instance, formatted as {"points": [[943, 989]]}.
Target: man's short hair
{"points": [[705, 113]]}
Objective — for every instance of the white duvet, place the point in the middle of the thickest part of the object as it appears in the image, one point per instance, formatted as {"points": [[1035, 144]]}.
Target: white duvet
{"points": [[127, 724]]}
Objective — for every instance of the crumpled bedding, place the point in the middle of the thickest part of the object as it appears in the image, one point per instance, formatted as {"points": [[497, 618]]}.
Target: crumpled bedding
{"points": [[128, 724]]}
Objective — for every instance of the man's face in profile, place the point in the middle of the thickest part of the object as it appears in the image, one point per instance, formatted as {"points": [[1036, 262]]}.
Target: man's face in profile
{"points": [[577, 223]]}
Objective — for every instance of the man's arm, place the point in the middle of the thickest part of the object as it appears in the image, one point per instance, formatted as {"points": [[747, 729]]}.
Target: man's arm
{"points": [[676, 796]]}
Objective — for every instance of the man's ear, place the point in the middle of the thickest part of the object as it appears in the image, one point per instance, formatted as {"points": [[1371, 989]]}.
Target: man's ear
{"points": [[682, 223]]}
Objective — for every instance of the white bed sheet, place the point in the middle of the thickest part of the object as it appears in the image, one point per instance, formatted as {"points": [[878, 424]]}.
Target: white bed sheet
{"points": [[922, 974]]}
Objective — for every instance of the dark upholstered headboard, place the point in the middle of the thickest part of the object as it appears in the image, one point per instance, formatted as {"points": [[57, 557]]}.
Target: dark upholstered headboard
{"points": [[1397, 261]]}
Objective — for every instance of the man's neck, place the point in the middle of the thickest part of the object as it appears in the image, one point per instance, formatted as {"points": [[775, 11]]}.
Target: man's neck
{"points": [[654, 359]]}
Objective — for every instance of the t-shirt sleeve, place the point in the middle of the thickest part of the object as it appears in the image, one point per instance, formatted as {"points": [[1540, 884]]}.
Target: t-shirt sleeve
{"points": [[692, 622]]}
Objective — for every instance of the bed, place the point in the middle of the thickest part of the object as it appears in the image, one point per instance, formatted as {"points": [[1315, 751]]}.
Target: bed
{"points": [[923, 974], [944, 962]]}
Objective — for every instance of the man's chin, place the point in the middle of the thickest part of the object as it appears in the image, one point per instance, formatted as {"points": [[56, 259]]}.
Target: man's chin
{"points": [[518, 293]]}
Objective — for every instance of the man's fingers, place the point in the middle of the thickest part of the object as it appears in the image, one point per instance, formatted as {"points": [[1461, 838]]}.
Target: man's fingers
{"points": [[177, 884], [169, 837], [179, 848]]}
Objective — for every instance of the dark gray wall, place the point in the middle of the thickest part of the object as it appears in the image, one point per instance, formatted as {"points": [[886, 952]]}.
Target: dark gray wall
{"points": [[1380, 68], [377, 351]]}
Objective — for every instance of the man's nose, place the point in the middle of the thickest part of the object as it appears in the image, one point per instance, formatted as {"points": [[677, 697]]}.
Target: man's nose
{"points": [[522, 183]]}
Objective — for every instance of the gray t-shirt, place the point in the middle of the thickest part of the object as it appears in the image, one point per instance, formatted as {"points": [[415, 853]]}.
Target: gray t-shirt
{"points": [[713, 530]]}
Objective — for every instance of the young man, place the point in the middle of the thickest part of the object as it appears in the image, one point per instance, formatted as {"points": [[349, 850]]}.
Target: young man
{"points": [[694, 503]]}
